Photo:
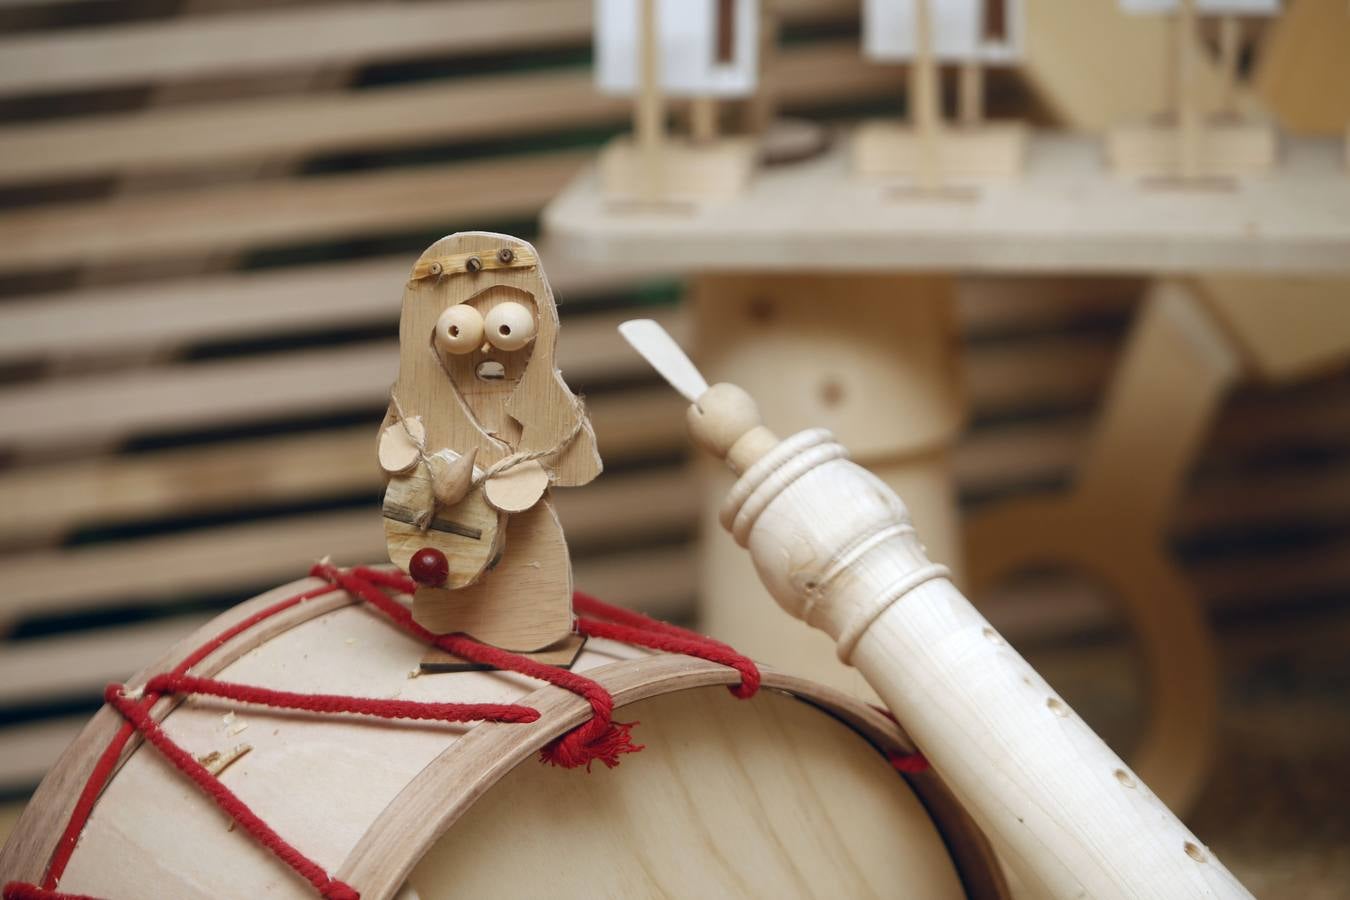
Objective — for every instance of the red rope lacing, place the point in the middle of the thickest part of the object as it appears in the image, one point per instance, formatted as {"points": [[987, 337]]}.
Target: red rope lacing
{"points": [[598, 738]]}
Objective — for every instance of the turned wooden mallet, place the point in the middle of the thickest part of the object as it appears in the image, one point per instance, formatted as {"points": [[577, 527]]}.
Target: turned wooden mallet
{"points": [[835, 547]]}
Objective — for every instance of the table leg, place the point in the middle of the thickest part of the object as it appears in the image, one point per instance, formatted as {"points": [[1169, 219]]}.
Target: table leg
{"points": [[871, 357]]}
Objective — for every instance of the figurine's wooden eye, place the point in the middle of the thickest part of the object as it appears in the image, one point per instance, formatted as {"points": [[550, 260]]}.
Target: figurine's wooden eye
{"points": [[459, 330], [509, 326]]}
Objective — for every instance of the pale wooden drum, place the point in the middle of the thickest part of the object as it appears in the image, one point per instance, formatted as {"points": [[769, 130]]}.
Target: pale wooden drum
{"points": [[787, 794]]}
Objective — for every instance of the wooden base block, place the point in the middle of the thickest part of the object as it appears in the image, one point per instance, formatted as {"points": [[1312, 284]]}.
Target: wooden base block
{"points": [[682, 173], [562, 654], [1224, 150], [989, 152]]}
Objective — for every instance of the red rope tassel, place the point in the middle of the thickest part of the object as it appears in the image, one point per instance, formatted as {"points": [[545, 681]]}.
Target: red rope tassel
{"points": [[635, 628], [599, 738]]}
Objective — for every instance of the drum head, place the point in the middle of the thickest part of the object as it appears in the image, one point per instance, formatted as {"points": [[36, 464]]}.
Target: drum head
{"points": [[767, 797]]}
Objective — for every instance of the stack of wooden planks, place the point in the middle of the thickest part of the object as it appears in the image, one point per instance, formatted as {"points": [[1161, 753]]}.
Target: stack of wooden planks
{"points": [[211, 207]]}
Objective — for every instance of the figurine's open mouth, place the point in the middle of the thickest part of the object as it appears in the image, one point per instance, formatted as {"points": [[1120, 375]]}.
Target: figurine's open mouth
{"points": [[490, 370]]}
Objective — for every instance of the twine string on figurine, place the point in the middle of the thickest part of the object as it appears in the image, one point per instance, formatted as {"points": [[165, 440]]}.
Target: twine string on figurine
{"points": [[508, 462], [598, 738]]}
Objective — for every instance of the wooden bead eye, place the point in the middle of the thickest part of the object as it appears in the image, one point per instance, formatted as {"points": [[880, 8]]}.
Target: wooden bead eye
{"points": [[459, 330], [509, 326]]}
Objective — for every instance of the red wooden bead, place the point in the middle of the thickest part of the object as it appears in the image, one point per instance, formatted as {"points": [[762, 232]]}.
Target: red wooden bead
{"points": [[429, 567]]}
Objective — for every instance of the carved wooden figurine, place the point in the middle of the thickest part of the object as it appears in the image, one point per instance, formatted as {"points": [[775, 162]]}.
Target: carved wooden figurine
{"points": [[924, 33], [1185, 146], [700, 50], [836, 548], [480, 426]]}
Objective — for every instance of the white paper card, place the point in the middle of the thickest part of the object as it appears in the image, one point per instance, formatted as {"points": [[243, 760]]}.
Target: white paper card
{"points": [[690, 45], [960, 30]]}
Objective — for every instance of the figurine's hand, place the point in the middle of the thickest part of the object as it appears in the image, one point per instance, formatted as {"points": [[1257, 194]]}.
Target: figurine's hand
{"points": [[452, 475], [518, 488], [399, 446]]}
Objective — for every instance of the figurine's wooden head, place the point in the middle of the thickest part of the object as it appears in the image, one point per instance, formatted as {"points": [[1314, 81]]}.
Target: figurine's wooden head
{"points": [[477, 335]]}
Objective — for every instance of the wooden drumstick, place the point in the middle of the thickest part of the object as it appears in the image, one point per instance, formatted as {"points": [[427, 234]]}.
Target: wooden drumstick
{"points": [[835, 547]]}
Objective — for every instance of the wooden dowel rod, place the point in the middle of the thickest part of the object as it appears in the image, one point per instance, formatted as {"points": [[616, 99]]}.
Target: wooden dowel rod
{"points": [[1230, 48], [703, 119], [1188, 112], [970, 98], [649, 123], [923, 96]]}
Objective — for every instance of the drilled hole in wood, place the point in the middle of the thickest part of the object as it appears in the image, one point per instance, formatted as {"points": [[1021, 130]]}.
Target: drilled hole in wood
{"points": [[761, 309], [1124, 778], [1194, 852], [490, 370], [1057, 707], [831, 393], [992, 636]]}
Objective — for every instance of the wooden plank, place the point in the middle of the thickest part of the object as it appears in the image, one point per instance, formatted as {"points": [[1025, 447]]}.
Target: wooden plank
{"points": [[97, 408], [350, 33], [40, 502], [167, 314], [28, 750], [259, 552], [461, 109], [618, 508], [288, 210], [79, 665], [659, 581]]}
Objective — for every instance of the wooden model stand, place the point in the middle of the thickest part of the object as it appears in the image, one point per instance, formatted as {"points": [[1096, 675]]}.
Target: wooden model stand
{"points": [[927, 150], [1187, 144], [653, 168]]}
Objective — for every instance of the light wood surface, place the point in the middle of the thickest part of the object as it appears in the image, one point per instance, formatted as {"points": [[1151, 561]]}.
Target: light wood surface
{"points": [[1066, 214], [1225, 150], [371, 803], [484, 107], [989, 152]]}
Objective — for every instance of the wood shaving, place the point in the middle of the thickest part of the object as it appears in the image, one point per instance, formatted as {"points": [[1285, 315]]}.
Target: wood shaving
{"points": [[216, 762]]}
